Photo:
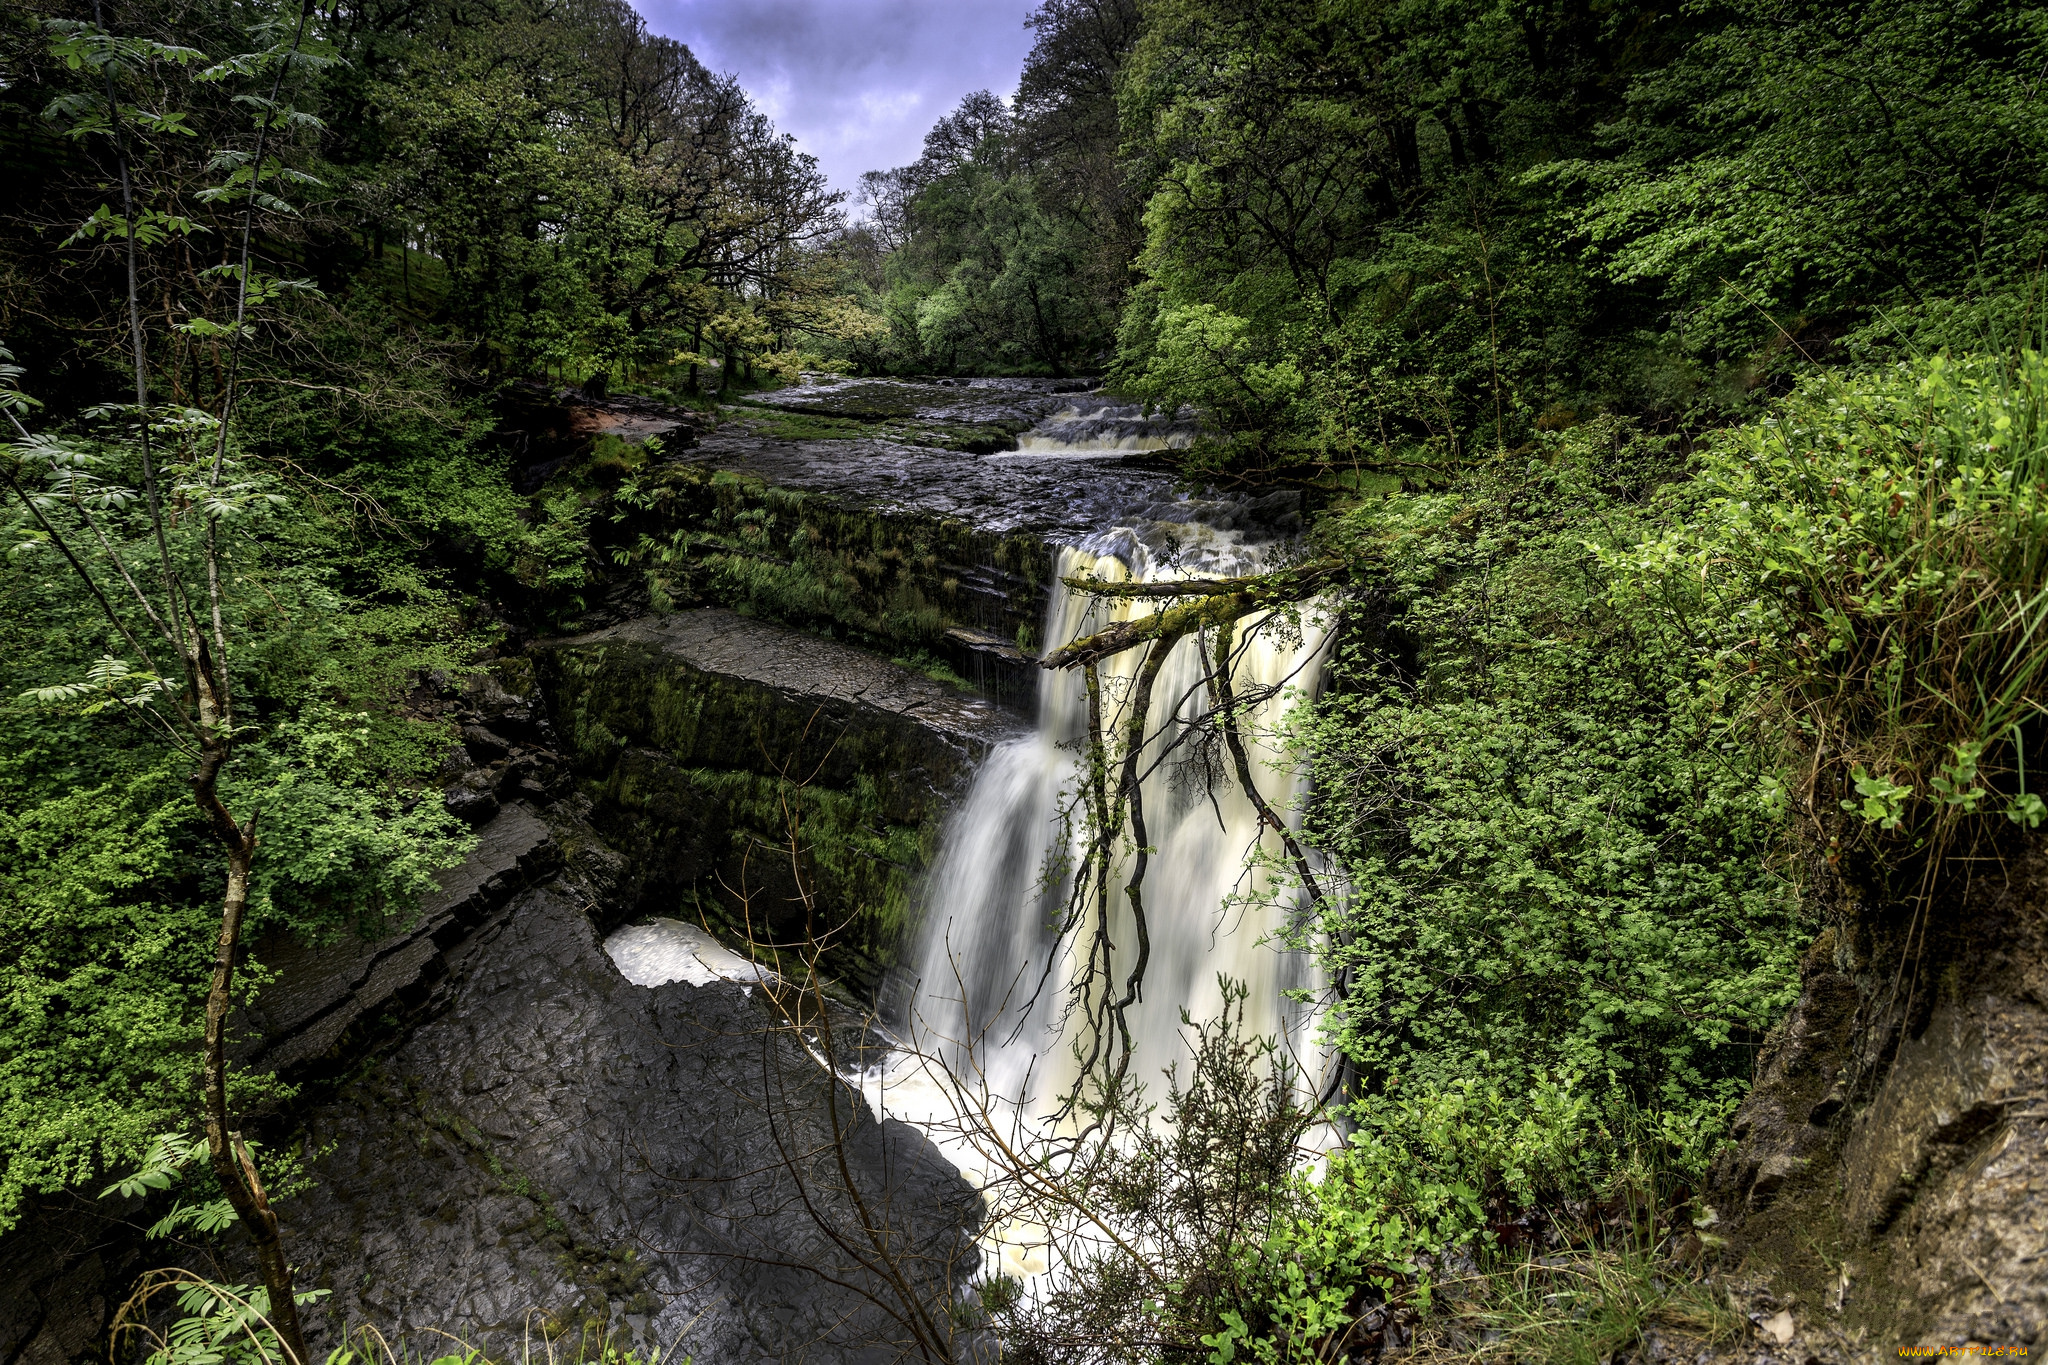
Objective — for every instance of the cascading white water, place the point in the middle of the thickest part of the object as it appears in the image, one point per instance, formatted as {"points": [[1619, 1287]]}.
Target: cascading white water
{"points": [[1096, 426], [993, 972], [994, 898]]}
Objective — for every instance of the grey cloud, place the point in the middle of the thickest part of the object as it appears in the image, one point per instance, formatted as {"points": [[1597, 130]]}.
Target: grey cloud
{"points": [[857, 81]]}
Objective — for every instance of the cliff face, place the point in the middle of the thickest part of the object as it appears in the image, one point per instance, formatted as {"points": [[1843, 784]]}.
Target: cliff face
{"points": [[1890, 1183], [706, 742]]}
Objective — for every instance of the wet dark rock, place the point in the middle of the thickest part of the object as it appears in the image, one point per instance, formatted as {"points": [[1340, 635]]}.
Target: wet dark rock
{"points": [[501, 700], [515, 1144], [483, 745], [62, 1271], [1898, 1123], [473, 798], [322, 992], [1058, 499], [973, 401], [562, 1152], [713, 688]]}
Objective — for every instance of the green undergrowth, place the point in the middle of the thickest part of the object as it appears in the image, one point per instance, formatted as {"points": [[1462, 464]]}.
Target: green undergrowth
{"points": [[111, 902], [1578, 1308], [1556, 832], [1565, 925], [1566, 768], [1876, 552]]}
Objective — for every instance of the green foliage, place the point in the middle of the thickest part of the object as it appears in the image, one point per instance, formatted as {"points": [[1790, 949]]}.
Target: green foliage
{"points": [[599, 202], [1396, 236], [215, 1324], [554, 555], [111, 907], [1222, 1237], [1341, 268], [1876, 553], [108, 951], [1800, 160], [338, 851], [1556, 845], [220, 1324], [989, 258]]}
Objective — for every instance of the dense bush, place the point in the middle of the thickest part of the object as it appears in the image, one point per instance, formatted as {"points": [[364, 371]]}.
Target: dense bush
{"points": [[1555, 848], [110, 905], [1875, 552]]}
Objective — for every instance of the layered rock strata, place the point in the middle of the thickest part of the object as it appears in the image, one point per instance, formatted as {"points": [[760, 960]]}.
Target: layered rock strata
{"points": [[764, 780]]}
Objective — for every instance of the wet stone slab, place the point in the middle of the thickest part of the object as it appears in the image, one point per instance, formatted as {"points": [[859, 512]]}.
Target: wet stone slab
{"points": [[1062, 499], [697, 738], [803, 667], [958, 400]]}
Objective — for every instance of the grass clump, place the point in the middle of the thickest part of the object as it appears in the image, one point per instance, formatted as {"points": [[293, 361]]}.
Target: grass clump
{"points": [[1583, 1307], [1877, 554]]}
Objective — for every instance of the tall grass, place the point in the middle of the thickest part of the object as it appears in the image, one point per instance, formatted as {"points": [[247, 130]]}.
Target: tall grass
{"points": [[1868, 571]]}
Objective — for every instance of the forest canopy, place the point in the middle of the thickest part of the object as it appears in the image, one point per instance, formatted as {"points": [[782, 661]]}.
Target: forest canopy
{"points": [[1390, 235]]}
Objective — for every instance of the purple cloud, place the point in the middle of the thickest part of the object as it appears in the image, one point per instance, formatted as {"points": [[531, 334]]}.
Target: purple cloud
{"points": [[857, 81]]}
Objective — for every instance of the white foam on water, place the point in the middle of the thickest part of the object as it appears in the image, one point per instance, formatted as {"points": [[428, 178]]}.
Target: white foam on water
{"points": [[1104, 427], [665, 950]]}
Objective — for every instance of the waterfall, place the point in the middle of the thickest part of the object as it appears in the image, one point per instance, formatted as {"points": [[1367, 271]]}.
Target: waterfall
{"points": [[992, 976], [1098, 426]]}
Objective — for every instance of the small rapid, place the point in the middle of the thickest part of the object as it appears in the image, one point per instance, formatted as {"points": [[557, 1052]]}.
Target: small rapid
{"points": [[1095, 426]]}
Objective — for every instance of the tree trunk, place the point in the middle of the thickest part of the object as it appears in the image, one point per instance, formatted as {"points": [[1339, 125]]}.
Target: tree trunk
{"points": [[230, 1155]]}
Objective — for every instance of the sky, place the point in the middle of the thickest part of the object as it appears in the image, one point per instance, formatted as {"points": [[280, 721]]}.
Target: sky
{"points": [[857, 81]]}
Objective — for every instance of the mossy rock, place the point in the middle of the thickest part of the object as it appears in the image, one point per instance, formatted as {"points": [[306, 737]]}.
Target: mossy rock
{"points": [[774, 783]]}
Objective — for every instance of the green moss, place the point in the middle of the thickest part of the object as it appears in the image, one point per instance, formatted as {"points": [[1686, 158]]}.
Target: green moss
{"points": [[607, 1275], [980, 438], [938, 670], [893, 581], [860, 867], [704, 781], [806, 426]]}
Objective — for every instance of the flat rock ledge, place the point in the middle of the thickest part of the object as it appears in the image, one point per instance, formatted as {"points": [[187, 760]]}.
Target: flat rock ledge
{"points": [[802, 667], [321, 992]]}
